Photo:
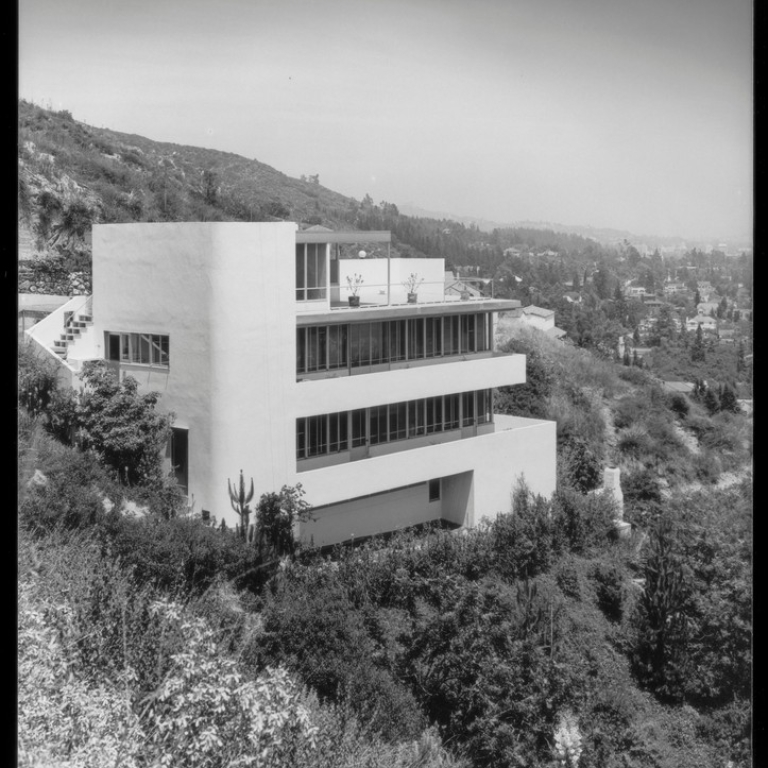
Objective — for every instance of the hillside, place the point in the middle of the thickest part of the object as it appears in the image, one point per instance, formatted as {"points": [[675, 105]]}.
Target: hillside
{"points": [[534, 640], [72, 174]]}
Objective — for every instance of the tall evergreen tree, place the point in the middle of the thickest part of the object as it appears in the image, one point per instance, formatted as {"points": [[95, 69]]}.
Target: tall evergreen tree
{"points": [[698, 352]]}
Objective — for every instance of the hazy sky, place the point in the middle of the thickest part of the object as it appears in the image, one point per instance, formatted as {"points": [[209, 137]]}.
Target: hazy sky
{"points": [[632, 114]]}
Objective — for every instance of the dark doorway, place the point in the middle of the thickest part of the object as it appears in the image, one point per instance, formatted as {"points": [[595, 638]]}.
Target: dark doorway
{"points": [[180, 456]]}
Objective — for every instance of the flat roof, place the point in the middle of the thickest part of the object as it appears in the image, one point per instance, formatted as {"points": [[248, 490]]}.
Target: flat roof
{"points": [[309, 236], [395, 311]]}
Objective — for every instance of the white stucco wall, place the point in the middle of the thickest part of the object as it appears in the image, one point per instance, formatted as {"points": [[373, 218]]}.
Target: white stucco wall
{"points": [[222, 294], [330, 395]]}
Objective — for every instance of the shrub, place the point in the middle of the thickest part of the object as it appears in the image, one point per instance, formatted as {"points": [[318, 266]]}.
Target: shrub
{"points": [[121, 426], [581, 522], [578, 465], [608, 578], [37, 380], [523, 540], [635, 442], [181, 555], [678, 404], [206, 712]]}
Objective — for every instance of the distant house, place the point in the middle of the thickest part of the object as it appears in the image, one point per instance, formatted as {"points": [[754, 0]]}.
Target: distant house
{"points": [[654, 305], [681, 387], [572, 297], [727, 336], [538, 317], [636, 291], [707, 323], [674, 287]]}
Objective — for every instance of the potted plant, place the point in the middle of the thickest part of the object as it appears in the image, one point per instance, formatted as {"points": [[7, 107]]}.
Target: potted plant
{"points": [[412, 286], [354, 282]]}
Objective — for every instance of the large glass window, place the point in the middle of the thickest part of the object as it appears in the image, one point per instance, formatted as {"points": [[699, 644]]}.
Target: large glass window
{"points": [[311, 268], [451, 335], [378, 422], [360, 345], [337, 346], [416, 417], [398, 427], [416, 338], [358, 427], [138, 348], [397, 347], [317, 435], [451, 412], [336, 432], [434, 415], [434, 336], [484, 406], [467, 409]]}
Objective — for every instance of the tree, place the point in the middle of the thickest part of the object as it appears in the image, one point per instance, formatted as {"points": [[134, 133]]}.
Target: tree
{"points": [[711, 401], [722, 308], [741, 363], [698, 351], [728, 401], [659, 653], [210, 187], [121, 426], [276, 516]]}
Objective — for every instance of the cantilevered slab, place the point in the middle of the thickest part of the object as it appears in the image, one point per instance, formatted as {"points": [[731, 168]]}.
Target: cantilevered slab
{"points": [[396, 311]]}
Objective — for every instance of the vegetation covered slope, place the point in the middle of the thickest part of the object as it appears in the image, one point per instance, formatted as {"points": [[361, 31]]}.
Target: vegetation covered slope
{"points": [[533, 639]]}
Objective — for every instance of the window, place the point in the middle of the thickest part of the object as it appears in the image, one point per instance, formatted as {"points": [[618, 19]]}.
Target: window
{"points": [[317, 435], [310, 271], [138, 348], [416, 418], [336, 432], [337, 423], [360, 345], [398, 428], [337, 346], [451, 335], [358, 428], [416, 338], [468, 409], [434, 415], [434, 336], [484, 406], [378, 422], [434, 490], [397, 339], [451, 411], [467, 334]]}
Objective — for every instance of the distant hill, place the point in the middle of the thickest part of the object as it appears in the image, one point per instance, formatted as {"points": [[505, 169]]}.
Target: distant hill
{"points": [[72, 175]]}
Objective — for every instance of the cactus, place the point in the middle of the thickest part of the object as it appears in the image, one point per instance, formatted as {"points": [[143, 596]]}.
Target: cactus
{"points": [[240, 500]]}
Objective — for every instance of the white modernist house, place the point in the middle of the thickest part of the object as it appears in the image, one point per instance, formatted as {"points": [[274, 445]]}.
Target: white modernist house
{"points": [[383, 412]]}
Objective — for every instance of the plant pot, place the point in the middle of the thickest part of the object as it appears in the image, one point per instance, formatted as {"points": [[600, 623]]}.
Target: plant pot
{"points": [[412, 297], [354, 301]]}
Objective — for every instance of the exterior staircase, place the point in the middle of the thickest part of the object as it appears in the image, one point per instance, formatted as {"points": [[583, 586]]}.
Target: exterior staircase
{"points": [[74, 325]]}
